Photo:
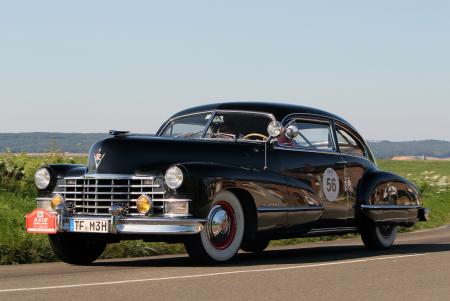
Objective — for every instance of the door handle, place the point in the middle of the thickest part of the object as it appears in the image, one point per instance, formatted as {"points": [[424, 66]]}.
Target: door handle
{"points": [[340, 163]]}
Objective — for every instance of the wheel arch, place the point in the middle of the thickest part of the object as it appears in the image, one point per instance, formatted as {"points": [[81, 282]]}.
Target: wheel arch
{"points": [[376, 179], [249, 207]]}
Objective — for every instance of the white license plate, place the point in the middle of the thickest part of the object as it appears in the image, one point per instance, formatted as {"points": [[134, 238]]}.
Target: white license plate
{"points": [[84, 225]]}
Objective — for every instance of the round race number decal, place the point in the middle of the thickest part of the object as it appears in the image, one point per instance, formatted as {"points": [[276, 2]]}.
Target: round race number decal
{"points": [[330, 184]]}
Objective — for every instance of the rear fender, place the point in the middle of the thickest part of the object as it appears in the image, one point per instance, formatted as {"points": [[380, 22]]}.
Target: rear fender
{"points": [[386, 198]]}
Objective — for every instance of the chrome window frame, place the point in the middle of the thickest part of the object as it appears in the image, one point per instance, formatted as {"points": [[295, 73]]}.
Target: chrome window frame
{"points": [[208, 124], [169, 122], [312, 119], [355, 135]]}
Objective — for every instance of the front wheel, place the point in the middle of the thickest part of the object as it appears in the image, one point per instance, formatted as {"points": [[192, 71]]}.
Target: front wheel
{"points": [[222, 235], [76, 248], [378, 237]]}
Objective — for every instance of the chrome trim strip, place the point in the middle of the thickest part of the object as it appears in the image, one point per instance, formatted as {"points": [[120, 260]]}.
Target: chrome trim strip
{"points": [[208, 124], [329, 230], [109, 200], [104, 176], [111, 193], [213, 114], [162, 221], [188, 229], [288, 209], [43, 199], [390, 207], [327, 118], [106, 186], [172, 200], [330, 152]]}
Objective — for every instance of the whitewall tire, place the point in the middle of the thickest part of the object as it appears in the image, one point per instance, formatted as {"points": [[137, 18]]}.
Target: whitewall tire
{"points": [[222, 235]]}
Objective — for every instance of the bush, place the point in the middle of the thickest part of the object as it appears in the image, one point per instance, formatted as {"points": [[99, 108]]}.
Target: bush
{"points": [[17, 197]]}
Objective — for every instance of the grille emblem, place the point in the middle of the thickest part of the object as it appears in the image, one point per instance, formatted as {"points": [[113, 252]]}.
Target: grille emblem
{"points": [[98, 157]]}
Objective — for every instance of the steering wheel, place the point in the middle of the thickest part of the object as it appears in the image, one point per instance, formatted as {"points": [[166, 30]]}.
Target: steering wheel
{"points": [[256, 135]]}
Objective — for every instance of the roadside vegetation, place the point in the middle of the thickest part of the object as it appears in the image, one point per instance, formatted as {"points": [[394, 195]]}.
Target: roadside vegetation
{"points": [[17, 197]]}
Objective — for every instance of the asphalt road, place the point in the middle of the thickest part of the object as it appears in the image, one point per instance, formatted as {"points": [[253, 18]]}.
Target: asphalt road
{"points": [[417, 268]]}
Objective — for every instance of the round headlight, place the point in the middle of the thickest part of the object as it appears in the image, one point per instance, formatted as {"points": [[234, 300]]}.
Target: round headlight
{"points": [[42, 178], [174, 177]]}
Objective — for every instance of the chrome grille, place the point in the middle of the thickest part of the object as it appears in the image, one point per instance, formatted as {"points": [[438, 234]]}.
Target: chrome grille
{"points": [[95, 195]]}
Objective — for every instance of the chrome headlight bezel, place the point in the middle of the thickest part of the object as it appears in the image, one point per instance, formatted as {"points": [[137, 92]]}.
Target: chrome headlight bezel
{"points": [[42, 178], [174, 177]]}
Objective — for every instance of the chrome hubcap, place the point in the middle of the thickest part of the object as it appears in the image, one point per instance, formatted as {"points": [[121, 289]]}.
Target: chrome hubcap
{"points": [[220, 226]]}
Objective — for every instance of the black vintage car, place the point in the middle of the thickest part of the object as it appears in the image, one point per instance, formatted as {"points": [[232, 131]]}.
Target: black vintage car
{"points": [[225, 177]]}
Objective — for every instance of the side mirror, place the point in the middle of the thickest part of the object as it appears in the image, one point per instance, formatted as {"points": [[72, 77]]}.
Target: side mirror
{"points": [[291, 132], [274, 129]]}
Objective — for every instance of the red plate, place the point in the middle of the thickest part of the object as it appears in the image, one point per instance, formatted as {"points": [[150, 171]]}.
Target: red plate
{"points": [[40, 221]]}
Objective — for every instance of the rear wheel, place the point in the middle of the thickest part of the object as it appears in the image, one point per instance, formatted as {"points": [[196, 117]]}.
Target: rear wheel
{"points": [[76, 248], [222, 235], [255, 245], [378, 237]]}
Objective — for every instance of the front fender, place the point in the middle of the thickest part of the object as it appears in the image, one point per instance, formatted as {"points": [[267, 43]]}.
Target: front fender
{"points": [[58, 172], [205, 180], [67, 170]]}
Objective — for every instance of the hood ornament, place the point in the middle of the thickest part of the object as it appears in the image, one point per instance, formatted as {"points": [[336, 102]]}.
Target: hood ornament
{"points": [[116, 133], [98, 157]]}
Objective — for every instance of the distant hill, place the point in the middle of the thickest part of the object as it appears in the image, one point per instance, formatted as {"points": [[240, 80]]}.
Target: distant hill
{"points": [[427, 148], [80, 143], [48, 142]]}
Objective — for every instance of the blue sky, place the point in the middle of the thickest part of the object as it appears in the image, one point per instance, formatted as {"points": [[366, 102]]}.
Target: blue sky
{"points": [[88, 66]]}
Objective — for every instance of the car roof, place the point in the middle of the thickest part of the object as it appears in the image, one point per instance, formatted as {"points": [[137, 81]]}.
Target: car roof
{"points": [[279, 110]]}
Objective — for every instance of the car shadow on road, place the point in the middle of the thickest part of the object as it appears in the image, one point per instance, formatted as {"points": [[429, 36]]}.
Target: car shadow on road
{"points": [[301, 255]]}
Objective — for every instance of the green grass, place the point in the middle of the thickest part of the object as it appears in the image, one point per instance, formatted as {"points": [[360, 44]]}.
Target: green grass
{"points": [[17, 197], [437, 201]]}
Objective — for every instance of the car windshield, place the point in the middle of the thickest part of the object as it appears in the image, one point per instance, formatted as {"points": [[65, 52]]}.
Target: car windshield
{"points": [[187, 127], [221, 125]]}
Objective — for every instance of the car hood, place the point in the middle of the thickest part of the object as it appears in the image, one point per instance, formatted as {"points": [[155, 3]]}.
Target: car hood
{"points": [[137, 154]]}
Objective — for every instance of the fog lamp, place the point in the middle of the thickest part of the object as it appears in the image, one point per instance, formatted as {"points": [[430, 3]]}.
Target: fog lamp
{"points": [[143, 204], [56, 200], [176, 207]]}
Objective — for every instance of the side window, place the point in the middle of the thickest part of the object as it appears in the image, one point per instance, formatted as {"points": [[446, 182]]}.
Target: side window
{"points": [[308, 135], [348, 143]]}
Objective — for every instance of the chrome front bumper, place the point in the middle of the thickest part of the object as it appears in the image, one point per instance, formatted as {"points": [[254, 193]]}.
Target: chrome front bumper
{"points": [[139, 225]]}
